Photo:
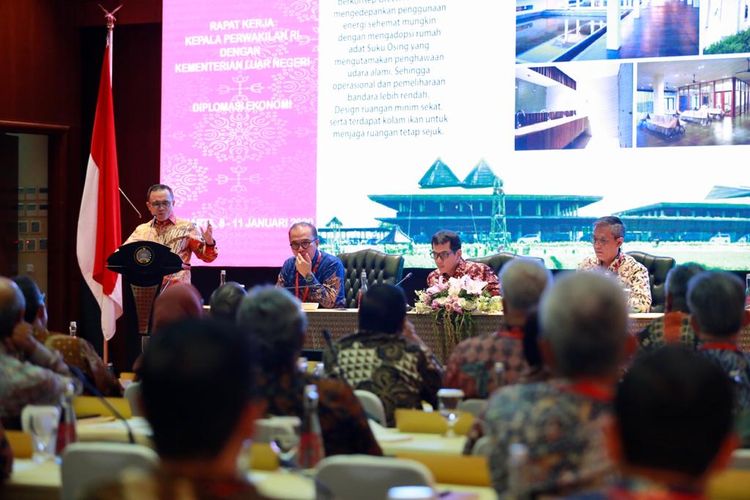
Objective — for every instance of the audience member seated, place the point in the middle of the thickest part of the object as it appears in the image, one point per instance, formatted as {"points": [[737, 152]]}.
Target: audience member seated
{"points": [[29, 372], [446, 250], [6, 457], [609, 234], [225, 301], [275, 320], [674, 327], [179, 301], [470, 366], [717, 304], [199, 394], [385, 356], [672, 428], [76, 351], [584, 340]]}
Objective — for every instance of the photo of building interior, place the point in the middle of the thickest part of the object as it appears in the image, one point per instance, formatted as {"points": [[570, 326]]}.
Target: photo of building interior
{"points": [[574, 106], [693, 103], [567, 30]]}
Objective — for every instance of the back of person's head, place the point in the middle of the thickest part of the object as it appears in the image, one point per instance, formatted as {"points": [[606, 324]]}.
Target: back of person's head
{"points": [[673, 411], [275, 319], [615, 225], [584, 319], [676, 285], [32, 295], [197, 378], [524, 281], [179, 301], [717, 301], [382, 309], [444, 236], [12, 306], [225, 301]]}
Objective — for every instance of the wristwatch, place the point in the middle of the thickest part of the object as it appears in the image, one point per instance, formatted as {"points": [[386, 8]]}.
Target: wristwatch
{"points": [[310, 278]]}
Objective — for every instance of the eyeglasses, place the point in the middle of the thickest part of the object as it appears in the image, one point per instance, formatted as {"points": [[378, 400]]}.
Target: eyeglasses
{"points": [[441, 255], [304, 245], [600, 241], [159, 204]]}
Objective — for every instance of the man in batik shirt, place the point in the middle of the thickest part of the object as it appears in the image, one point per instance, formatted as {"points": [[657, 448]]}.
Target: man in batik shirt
{"points": [[446, 250], [386, 357], [471, 364], [716, 301], [584, 330], [182, 236], [311, 274], [609, 234], [674, 327]]}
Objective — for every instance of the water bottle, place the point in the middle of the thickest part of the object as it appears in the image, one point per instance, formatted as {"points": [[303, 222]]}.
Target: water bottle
{"points": [[311, 440], [499, 374], [518, 473], [222, 277], [362, 287], [73, 329], [66, 430]]}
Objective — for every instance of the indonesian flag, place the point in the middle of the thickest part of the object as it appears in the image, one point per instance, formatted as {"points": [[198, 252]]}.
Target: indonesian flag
{"points": [[99, 219]]}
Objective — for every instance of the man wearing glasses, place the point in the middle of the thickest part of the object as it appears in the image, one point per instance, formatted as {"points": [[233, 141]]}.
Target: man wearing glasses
{"points": [[311, 274], [609, 233], [446, 250], [182, 236]]}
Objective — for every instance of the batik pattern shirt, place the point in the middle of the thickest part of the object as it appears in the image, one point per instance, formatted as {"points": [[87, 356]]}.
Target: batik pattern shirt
{"points": [[343, 422], [327, 285], [632, 275], [40, 380], [561, 429], [399, 371], [736, 365], [672, 328], [78, 352], [182, 237], [474, 270], [471, 365]]}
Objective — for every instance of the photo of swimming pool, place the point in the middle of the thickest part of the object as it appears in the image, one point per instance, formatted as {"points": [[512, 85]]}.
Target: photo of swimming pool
{"points": [[554, 36]]}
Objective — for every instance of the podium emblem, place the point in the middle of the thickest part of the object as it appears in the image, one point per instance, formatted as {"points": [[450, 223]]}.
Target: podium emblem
{"points": [[144, 256]]}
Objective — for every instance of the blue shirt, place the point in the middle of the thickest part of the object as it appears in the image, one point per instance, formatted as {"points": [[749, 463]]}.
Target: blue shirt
{"points": [[327, 285]]}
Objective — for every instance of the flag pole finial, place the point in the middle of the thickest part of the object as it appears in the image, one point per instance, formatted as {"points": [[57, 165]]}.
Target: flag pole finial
{"points": [[110, 16]]}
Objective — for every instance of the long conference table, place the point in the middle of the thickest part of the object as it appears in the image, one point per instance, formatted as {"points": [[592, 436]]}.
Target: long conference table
{"points": [[341, 322]]}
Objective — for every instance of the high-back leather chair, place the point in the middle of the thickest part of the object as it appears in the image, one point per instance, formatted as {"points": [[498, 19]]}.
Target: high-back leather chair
{"points": [[498, 260], [379, 267], [658, 267]]}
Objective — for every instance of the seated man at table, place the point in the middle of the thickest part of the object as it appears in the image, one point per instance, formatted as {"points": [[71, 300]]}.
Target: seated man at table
{"points": [[470, 366], [716, 301], [29, 372], [584, 339], [275, 320], [446, 250], [76, 351], [199, 394], [385, 356], [311, 274], [609, 234], [674, 326], [672, 428]]}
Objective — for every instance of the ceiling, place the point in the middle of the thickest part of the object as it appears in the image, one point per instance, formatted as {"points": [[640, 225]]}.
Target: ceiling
{"points": [[682, 72]]}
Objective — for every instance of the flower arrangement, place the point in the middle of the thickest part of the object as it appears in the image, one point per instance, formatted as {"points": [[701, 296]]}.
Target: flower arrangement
{"points": [[452, 303]]}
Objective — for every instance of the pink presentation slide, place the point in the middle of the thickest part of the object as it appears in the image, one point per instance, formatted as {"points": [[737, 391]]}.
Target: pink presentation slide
{"points": [[239, 113]]}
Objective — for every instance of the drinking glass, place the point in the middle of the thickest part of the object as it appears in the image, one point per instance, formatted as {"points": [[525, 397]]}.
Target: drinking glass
{"points": [[41, 422], [448, 400]]}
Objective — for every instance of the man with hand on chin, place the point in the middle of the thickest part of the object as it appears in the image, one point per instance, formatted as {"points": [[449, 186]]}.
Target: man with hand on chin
{"points": [[311, 274], [182, 236]]}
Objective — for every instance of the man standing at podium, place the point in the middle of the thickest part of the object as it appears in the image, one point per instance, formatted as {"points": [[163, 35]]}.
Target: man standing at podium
{"points": [[182, 236]]}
